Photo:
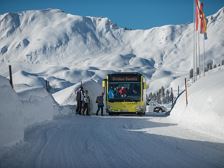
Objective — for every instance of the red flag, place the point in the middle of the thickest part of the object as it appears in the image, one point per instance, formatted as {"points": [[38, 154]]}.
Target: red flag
{"points": [[203, 21], [196, 14]]}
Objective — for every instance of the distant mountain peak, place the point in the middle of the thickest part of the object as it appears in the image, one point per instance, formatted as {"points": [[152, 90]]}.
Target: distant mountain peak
{"points": [[51, 36]]}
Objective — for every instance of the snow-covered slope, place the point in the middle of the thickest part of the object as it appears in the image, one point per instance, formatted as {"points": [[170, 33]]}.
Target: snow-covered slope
{"points": [[205, 108], [52, 37]]}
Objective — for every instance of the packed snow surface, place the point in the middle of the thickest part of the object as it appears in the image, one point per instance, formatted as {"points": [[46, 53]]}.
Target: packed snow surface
{"points": [[110, 142]]}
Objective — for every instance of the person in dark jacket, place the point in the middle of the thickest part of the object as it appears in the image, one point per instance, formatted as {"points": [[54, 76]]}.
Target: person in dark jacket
{"points": [[99, 101], [79, 97], [86, 103]]}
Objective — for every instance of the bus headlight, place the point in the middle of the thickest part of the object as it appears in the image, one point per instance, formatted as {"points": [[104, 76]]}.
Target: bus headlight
{"points": [[109, 107], [139, 108]]}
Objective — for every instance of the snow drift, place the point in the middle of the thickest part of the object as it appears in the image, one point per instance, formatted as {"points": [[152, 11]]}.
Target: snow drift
{"points": [[11, 116], [204, 111], [21, 110], [68, 96], [38, 105]]}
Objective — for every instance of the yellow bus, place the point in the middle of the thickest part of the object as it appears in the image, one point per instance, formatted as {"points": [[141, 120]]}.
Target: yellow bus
{"points": [[125, 92]]}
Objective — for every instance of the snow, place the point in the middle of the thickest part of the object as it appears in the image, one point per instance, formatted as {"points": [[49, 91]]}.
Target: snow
{"points": [[11, 117], [64, 49], [68, 96], [22, 109], [38, 106], [89, 141], [82, 44], [204, 111], [123, 141], [23, 80]]}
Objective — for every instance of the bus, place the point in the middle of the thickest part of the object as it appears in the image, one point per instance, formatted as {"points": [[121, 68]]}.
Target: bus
{"points": [[125, 92]]}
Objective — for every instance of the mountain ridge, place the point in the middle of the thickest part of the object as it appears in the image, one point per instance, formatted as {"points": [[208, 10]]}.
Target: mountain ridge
{"points": [[54, 37]]}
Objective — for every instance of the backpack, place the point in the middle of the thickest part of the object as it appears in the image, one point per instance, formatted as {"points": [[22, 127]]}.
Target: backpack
{"points": [[78, 95], [86, 99], [97, 101]]}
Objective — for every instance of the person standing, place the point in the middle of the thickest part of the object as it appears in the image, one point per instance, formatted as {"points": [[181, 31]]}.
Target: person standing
{"points": [[99, 101], [123, 91], [86, 102], [111, 93], [79, 99]]}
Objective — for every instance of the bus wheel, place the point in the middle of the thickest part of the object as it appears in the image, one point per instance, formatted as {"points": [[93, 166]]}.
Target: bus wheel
{"points": [[141, 114], [113, 114]]}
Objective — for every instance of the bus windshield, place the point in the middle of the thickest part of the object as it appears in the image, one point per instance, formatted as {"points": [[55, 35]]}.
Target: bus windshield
{"points": [[124, 91]]}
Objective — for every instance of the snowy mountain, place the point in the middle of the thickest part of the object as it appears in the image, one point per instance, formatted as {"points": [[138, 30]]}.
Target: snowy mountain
{"points": [[76, 45]]}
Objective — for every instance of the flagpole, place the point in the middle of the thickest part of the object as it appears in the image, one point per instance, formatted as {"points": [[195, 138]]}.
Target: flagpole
{"points": [[204, 22], [204, 57], [199, 24], [196, 54], [194, 41], [199, 54]]}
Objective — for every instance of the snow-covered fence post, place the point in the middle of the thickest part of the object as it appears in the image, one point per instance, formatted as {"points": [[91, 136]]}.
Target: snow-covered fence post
{"points": [[47, 86], [186, 91], [172, 96], [10, 75]]}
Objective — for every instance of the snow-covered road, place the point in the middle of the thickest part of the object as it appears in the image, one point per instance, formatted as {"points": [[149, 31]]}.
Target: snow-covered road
{"points": [[118, 141]]}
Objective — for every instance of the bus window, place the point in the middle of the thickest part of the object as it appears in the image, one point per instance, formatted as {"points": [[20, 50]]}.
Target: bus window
{"points": [[123, 91]]}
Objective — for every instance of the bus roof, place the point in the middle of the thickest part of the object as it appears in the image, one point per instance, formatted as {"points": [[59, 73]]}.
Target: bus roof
{"points": [[124, 73]]}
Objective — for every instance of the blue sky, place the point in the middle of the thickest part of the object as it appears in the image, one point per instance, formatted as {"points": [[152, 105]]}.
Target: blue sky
{"points": [[135, 14]]}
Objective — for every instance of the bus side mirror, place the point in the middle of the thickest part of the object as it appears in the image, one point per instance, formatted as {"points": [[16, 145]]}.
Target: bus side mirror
{"points": [[146, 86]]}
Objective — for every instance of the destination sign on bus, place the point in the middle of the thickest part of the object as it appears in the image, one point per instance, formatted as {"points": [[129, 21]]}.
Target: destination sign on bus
{"points": [[124, 78]]}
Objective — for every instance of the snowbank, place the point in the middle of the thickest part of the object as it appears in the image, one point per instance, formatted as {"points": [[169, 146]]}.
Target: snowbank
{"points": [[11, 117], [38, 105], [21, 110], [68, 96], [205, 108]]}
